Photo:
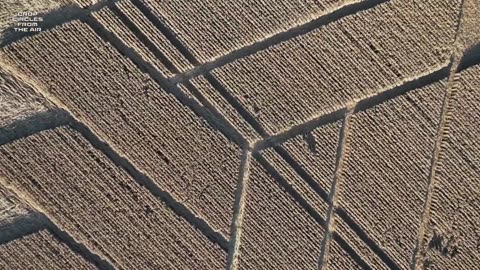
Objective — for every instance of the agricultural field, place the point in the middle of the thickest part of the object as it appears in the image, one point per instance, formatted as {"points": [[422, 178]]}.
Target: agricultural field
{"points": [[339, 259], [41, 250], [330, 135], [165, 140], [212, 29], [299, 79], [11, 208], [271, 220], [453, 237], [385, 194], [101, 206]]}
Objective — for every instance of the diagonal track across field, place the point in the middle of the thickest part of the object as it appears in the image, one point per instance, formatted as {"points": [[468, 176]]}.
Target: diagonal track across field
{"points": [[342, 153], [217, 120], [238, 212], [205, 110], [68, 119], [37, 221], [250, 119], [441, 134]]}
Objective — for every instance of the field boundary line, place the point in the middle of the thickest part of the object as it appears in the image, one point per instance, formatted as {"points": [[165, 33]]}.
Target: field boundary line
{"points": [[166, 32], [470, 58], [332, 15], [435, 163], [381, 254], [257, 127], [44, 221], [142, 179], [98, 141], [225, 126], [301, 172], [143, 39], [247, 116], [238, 211], [457, 54], [288, 188], [205, 110], [335, 188]]}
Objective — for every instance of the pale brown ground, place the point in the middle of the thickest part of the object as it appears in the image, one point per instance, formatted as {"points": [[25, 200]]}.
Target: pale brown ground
{"points": [[141, 134]]}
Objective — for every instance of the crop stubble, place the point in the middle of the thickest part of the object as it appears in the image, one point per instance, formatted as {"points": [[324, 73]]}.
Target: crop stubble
{"points": [[107, 18], [358, 246], [101, 206], [232, 115], [179, 61], [213, 28], [315, 151], [338, 259], [294, 81], [134, 29], [403, 34], [295, 180], [453, 236], [10, 207], [165, 140], [385, 174], [39, 251]]}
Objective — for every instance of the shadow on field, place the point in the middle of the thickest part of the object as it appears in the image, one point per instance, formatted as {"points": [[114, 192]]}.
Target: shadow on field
{"points": [[471, 57], [22, 226], [33, 124]]}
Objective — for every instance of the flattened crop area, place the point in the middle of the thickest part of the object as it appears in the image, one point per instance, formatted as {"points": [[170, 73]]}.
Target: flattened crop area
{"points": [[243, 135]]}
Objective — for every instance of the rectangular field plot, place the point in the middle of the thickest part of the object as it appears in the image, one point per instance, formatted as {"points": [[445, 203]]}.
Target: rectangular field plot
{"points": [[101, 206], [344, 61], [40, 251], [213, 28], [160, 136], [453, 236]]}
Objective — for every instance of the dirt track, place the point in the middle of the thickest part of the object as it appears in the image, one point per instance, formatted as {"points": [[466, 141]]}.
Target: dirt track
{"points": [[137, 134]]}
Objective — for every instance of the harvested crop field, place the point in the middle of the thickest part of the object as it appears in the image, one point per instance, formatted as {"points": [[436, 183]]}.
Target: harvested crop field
{"points": [[141, 134], [41, 250]]}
